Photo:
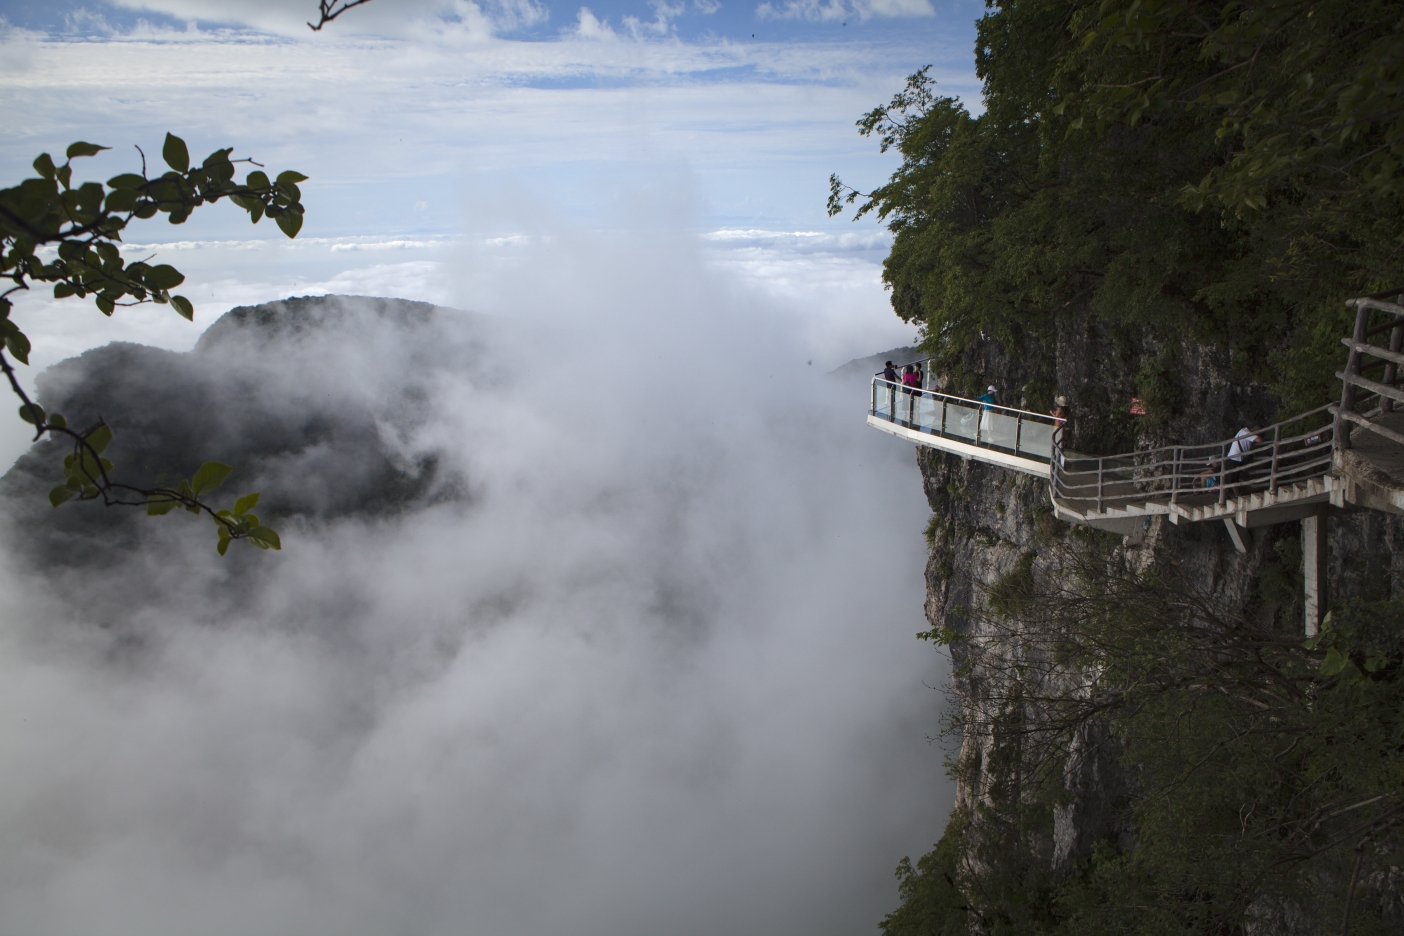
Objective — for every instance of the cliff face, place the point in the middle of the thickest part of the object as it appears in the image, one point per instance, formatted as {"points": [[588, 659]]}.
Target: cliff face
{"points": [[991, 529]]}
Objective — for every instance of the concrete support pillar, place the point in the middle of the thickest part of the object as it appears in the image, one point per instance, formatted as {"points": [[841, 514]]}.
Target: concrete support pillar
{"points": [[1314, 567], [1235, 534]]}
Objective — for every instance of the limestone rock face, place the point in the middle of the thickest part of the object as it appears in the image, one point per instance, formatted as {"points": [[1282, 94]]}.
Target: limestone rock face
{"points": [[990, 525]]}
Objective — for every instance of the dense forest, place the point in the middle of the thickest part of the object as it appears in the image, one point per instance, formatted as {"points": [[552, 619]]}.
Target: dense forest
{"points": [[1171, 175], [1222, 172]]}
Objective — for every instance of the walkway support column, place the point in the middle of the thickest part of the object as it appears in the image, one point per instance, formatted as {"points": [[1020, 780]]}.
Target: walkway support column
{"points": [[1314, 567]]}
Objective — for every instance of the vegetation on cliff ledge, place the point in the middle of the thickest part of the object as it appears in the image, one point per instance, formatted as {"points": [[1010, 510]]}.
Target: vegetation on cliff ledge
{"points": [[1179, 170]]}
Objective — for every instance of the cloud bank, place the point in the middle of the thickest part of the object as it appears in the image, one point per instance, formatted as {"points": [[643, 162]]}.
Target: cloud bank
{"points": [[652, 673]]}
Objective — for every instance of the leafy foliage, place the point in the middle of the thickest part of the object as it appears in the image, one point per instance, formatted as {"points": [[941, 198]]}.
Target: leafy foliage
{"points": [[1208, 172], [52, 231]]}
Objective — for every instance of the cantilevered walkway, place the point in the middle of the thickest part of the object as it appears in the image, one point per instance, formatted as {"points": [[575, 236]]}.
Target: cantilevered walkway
{"points": [[1346, 456]]}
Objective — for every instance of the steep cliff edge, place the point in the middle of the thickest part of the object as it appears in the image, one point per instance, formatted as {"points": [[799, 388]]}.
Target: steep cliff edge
{"points": [[1059, 784], [1139, 720]]}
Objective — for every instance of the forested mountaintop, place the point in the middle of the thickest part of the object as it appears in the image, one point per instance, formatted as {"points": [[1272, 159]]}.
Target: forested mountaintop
{"points": [[312, 400]]}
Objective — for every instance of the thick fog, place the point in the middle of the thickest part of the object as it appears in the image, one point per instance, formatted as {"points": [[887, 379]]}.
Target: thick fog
{"points": [[646, 664]]}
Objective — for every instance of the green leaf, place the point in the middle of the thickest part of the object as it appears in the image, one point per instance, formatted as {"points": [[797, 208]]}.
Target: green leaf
{"points": [[210, 476], [158, 505], [264, 538], [121, 200], [84, 149], [222, 546], [56, 419], [257, 180], [1335, 662], [18, 345], [165, 276], [246, 503], [175, 153], [60, 494], [127, 180], [291, 177], [32, 413], [99, 438], [44, 165], [290, 222], [105, 305], [183, 306]]}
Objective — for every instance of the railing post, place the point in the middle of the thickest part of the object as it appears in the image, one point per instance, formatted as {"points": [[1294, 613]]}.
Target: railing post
{"points": [[943, 417], [1018, 432], [1272, 475], [1391, 371], [1341, 433], [1174, 473], [872, 408], [1099, 484], [1223, 472]]}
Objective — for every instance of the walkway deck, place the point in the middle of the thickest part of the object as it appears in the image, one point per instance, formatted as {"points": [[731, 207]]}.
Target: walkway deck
{"points": [[1343, 456]]}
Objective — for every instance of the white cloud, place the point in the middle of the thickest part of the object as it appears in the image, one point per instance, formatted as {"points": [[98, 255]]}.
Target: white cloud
{"points": [[663, 661], [661, 25], [589, 27], [400, 17], [832, 10]]}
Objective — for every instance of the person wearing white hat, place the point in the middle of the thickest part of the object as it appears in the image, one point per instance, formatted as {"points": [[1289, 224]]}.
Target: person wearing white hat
{"points": [[991, 399]]}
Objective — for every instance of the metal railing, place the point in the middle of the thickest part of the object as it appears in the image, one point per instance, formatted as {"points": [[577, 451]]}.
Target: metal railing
{"points": [[1285, 453], [973, 422], [1385, 392]]}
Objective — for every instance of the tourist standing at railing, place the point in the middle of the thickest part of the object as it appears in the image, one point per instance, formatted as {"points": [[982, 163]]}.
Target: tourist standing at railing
{"points": [[889, 373], [1060, 419], [990, 399], [1239, 449], [911, 378]]}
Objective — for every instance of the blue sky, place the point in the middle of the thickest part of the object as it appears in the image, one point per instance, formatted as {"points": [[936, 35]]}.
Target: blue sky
{"points": [[531, 20], [440, 136]]}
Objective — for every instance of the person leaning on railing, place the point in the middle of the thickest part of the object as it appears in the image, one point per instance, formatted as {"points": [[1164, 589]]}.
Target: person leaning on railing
{"points": [[1238, 453]]}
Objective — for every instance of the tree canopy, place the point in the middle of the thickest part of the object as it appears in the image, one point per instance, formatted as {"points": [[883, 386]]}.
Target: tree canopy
{"points": [[1224, 172]]}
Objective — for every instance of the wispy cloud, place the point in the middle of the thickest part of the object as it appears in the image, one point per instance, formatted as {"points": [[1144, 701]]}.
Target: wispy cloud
{"points": [[835, 10]]}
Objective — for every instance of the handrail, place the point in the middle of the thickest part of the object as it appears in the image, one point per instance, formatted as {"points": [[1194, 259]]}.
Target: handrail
{"points": [[973, 402], [1351, 378], [1168, 473], [984, 425]]}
